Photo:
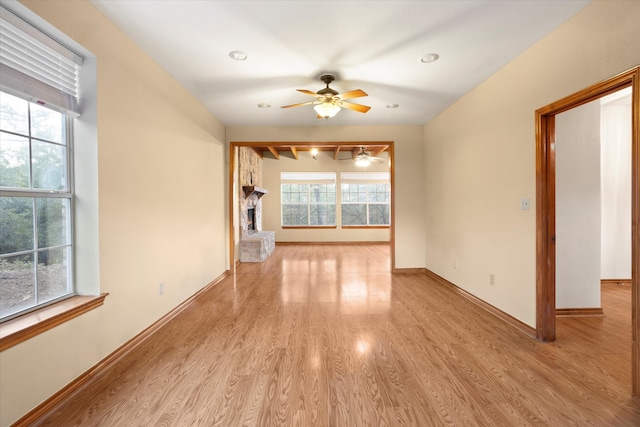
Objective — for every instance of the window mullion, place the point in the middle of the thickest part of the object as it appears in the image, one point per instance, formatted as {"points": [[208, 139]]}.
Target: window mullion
{"points": [[30, 146], [308, 204], [35, 250]]}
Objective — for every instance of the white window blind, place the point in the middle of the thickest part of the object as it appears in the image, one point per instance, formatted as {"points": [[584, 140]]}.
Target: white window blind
{"points": [[35, 66], [357, 177], [309, 177]]}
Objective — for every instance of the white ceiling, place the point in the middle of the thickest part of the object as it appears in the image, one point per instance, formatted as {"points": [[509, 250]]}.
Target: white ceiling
{"points": [[369, 45]]}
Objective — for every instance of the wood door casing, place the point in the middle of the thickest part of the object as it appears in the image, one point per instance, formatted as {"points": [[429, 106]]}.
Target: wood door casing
{"points": [[545, 207]]}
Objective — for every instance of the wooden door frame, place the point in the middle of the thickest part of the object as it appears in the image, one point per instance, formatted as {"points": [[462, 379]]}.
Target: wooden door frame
{"points": [[546, 209], [232, 168]]}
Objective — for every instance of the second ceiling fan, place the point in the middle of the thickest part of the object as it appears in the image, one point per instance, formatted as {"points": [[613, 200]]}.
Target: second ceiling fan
{"points": [[329, 101]]}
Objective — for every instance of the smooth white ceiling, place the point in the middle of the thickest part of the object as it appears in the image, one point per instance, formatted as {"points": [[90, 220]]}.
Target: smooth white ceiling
{"points": [[369, 45]]}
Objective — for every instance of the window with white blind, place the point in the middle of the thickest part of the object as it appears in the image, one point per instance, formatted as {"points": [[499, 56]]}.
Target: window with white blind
{"points": [[365, 199], [38, 99], [308, 199]]}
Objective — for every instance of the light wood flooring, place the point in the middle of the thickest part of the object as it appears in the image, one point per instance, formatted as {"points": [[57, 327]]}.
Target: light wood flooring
{"points": [[324, 335]]}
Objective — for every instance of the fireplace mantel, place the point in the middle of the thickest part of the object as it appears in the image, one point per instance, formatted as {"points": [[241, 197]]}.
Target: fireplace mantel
{"points": [[250, 189]]}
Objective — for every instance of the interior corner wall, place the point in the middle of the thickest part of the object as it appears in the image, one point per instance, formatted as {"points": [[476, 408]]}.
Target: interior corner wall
{"points": [[161, 192], [480, 156], [578, 249], [409, 172], [616, 192]]}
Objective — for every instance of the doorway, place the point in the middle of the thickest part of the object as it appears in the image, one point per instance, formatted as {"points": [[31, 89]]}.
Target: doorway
{"points": [[302, 146], [546, 209]]}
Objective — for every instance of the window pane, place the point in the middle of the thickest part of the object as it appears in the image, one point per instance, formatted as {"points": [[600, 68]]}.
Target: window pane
{"points": [[378, 193], [17, 284], [49, 166], [314, 195], [47, 124], [323, 193], [294, 215], [322, 214], [303, 195], [16, 224], [345, 192], [14, 161], [14, 114], [52, 222], [378, 214], [286, 193], [53, 274], [354, 214]]}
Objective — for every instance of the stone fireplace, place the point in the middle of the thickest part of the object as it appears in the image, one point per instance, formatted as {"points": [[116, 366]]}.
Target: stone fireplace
{"points": [[255, 244]]}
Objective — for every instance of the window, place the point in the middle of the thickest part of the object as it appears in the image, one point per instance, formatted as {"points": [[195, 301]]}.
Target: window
{"points": [[365, 198], [308, 199], [38, 98], [35, 206]]}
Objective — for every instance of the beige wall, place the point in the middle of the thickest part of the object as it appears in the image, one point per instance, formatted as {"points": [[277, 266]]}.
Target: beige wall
{"points": [[161, 196], [271, 202], [480, 155], [409, 169]]}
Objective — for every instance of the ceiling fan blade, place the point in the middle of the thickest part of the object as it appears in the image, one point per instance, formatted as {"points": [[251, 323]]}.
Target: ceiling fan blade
{"points": [[307, 92], [298, 105], [355, 107], [353, 94]]}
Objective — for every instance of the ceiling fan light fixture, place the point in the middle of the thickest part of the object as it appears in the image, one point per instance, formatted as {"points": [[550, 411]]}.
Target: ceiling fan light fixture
{"points": [[326, 109], [363, 162]]}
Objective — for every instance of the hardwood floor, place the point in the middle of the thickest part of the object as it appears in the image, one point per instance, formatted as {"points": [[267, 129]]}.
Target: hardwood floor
{"points": [[326, 336]]}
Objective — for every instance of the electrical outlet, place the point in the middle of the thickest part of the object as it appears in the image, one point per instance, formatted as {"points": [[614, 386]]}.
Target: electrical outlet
{"points": [[525, 204], [492, 280], [161, 288]]}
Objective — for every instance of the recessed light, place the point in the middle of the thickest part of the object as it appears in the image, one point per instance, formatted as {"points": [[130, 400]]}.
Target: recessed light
{"points": [[393, 105], [264, 105], [429, 57], [237, 55]]}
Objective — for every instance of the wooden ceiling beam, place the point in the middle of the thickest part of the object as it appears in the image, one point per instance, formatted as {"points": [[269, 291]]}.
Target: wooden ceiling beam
{"points": [[275, 152], [258, 151], [354, 152], [335, 153], [294, 151], [376, 151]]}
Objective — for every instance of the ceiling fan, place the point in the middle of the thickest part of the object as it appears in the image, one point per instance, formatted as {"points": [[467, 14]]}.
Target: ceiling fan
{"points": [[364, 159], [328, 101]]}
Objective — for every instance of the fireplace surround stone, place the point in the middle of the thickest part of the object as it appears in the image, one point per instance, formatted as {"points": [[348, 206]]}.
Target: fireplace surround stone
{"points": [[258, 246]]}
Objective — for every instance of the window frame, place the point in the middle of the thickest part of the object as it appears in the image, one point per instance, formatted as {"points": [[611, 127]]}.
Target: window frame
{"points": [[36, 193], [309, 203], [367, 203], [85, 230]]}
